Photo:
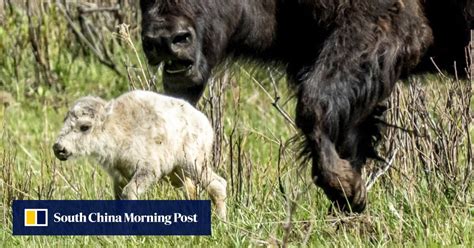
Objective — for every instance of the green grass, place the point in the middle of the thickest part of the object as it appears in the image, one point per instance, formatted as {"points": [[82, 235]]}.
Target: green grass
{"points": [[407, 206]]}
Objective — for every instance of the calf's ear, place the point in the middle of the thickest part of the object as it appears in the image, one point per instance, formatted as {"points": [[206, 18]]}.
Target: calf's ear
{"points": [[104, 110], [94, 107]]}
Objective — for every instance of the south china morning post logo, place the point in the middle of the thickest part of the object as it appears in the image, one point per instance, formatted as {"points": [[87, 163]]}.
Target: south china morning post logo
{"points": [[98, 217], [35, 217], [81, 217]]}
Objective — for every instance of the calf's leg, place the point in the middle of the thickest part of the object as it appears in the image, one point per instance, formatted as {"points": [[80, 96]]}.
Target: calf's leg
{"points": [[141, 180], [178, 179], [214, 184]]}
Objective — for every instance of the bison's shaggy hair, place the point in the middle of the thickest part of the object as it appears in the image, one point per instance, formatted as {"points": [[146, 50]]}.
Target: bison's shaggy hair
{"points": [[342, 57]]}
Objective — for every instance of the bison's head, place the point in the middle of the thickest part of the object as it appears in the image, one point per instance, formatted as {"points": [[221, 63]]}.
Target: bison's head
{"points": [[77, 135], [181, 35]]}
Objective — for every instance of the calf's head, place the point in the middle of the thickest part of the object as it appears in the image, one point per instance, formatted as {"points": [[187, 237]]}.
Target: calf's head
{"points": [[76, 138]]}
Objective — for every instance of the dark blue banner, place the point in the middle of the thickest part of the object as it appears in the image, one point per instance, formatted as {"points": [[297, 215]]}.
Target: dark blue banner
{"points": [[62, 217]]}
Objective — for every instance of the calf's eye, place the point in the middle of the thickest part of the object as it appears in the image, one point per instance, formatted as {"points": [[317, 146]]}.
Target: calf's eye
{"points": [[84, 128]]}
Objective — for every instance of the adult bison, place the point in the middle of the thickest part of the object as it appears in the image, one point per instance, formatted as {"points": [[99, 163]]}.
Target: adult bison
{"points": [[343, 58]]}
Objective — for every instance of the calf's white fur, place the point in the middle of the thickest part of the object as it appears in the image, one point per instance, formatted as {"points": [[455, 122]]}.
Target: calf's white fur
{"points": [[141, 137]]}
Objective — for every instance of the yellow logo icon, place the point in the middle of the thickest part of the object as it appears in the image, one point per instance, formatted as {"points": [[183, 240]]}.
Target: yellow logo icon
{"points": [[36, 217]]}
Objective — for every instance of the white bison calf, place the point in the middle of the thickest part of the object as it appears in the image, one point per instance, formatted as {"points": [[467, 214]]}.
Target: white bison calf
{"points": [[141, 137]]}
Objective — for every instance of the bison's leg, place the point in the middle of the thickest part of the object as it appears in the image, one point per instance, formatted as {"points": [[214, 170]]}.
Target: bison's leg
{"points": [[143, 178], [337, 98], [340, 180], [340, 94]]}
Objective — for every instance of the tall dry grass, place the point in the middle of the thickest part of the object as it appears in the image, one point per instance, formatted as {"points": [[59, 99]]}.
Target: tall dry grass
{"points": [[428, 147]]}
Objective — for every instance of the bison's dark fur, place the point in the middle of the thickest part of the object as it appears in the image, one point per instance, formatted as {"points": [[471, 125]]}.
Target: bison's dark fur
{"points": [[451, 21], [343, 58]]}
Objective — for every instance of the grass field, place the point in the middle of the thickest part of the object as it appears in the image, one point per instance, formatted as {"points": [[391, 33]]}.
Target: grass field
{"points": [[425, 198]]}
